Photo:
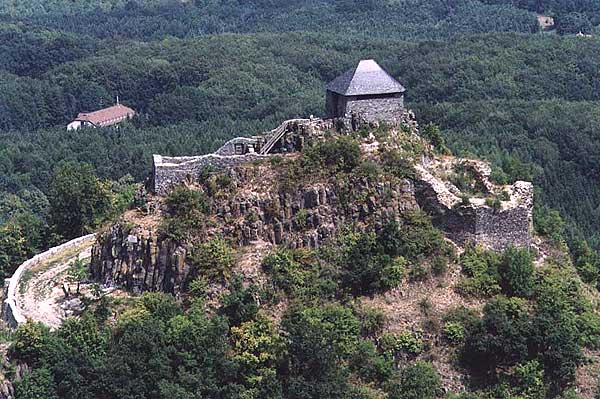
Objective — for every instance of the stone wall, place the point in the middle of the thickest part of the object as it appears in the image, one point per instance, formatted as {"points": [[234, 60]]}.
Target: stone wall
{"points": [[10, 310], [169, 172], [386, 109], [511, 224]]}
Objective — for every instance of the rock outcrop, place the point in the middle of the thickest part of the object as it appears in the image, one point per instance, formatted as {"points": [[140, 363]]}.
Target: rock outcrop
{"points": [[308, 217], [256, 208]]}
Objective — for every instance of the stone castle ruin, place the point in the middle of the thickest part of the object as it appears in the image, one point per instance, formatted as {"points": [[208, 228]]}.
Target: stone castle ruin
{"points": [[368, 94]]}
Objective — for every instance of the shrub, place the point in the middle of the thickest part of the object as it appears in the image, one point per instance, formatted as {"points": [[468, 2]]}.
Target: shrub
{"points": [[301, 219], [372, 321], [299, 275], [588, 325], [29, 342], [414, 238], [432, 133], [418, 272], [185, 208], [365, 267], [527, 381], [481, 269], [239, 305], [369, 170], [439, 266], [454, 333], [461, 315], [419, 380], [405, 343], [213, 259], [517, 272], [494, 202], [394, 163], [332, 156], [548, 223], [500, 338]]}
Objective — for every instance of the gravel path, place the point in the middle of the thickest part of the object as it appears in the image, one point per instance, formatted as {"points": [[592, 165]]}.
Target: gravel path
{"points": [[40, 294]]}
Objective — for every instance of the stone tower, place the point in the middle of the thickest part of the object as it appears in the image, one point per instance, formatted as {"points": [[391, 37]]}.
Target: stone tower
{"points": [[366, 91]]}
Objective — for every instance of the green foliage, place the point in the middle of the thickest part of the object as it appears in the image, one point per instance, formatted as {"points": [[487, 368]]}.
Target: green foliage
{"points": [[405, 343], [433, 133], [372, 321], [516, 272], [587, 262], [300, 275], [415, 237], [240, 304], [548, 223], [213, 260], [500, 339], [186, 208], [332, 156], [79, 201], [36, 385], [366, 267], [481, 269], [30, 339], [454, 332], [394, 163], [419, 380]]}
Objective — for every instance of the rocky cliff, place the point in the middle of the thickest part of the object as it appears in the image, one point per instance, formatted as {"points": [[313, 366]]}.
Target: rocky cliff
{"points": [[255, 210], [266, 201]]}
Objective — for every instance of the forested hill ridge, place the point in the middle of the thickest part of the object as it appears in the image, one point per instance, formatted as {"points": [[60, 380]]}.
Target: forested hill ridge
{"points": [[318, 275], [494, 85]]}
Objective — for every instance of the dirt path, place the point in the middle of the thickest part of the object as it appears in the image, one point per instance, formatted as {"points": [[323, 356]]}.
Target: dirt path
{"points": [[40, 295]]}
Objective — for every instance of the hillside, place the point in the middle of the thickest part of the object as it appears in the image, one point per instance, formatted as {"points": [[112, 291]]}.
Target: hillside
{"points": [[356, 294], [346, 253]]}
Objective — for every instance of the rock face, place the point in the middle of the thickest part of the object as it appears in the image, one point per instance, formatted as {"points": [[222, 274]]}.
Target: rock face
{"points": [[138, 263], [306, 218]]}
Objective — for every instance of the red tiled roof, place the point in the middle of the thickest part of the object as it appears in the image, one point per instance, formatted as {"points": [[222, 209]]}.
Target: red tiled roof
{"points": [[107, 116]]}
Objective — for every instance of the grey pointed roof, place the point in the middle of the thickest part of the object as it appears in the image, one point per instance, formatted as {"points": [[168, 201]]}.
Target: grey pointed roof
{"points": [[367, 78]]}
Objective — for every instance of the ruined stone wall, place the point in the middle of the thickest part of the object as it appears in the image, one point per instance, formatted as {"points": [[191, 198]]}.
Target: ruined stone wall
{"points": [[387, 109], [169, 172], [497, 229]]}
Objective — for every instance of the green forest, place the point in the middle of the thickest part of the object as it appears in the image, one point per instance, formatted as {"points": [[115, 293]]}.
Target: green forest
{"points": [[201, 72]]}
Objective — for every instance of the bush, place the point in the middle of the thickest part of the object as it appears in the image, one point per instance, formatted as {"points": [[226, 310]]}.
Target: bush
{"points": [[372, 321], [299, 275], [588, 325], [454, 333], [500, 338], [185, 208], [395, 164], [419, 380], [517, 272], [548, 223], [213, 260], [365, 267], [481, 268], [239, 305], [405, 343], [414, 238], [439, 266], [332, 156], [432, 133]]}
